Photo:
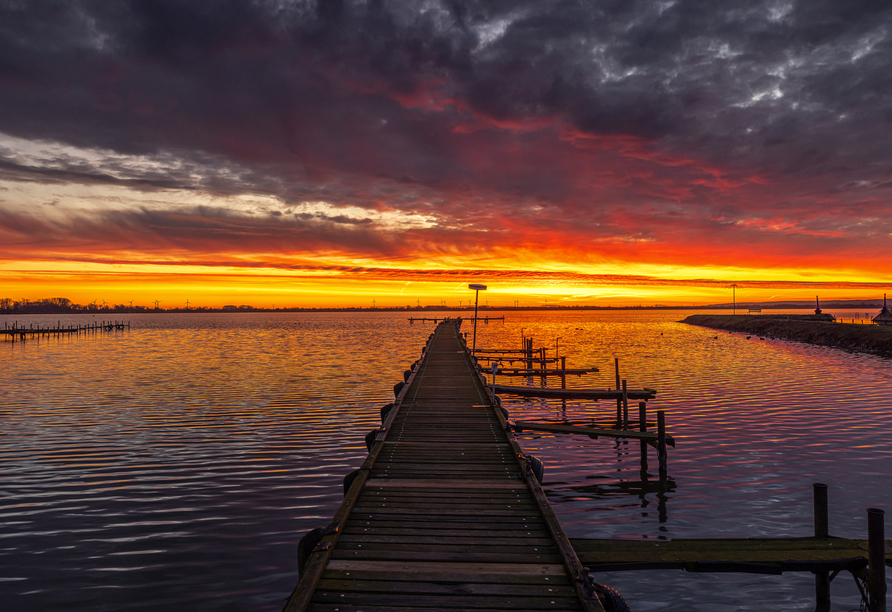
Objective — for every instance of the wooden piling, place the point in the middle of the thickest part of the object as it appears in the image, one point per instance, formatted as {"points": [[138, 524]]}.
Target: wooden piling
{"points": [[876, 560], [662, 455], [822, 530], [642, 427], [625, 406], [619, 401], [563, 372]]}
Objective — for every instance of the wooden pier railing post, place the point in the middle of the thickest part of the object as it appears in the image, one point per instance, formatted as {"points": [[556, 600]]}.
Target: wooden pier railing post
{"points": [[563, 372], [822, 530], [661, 444], [876, 559]]}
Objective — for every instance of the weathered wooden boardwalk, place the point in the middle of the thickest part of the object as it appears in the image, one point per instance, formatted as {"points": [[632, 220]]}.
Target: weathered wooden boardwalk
{"points": [[446, 512], [21, 333]]}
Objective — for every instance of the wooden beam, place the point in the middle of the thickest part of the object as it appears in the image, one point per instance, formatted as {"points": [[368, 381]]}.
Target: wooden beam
{"points": [[590, 431], [596, 394]]}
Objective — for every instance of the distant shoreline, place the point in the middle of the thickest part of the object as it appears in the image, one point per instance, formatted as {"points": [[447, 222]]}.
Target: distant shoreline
{"points": [[873, 339], [43, 308]]}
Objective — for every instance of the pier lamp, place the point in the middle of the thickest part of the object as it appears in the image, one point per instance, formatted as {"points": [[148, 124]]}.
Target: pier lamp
{"points": [[477, 289]]}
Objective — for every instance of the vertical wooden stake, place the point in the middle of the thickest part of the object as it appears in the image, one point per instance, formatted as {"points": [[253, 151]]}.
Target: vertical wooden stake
{"points": [[625, 406], [642, 427], [876, 559], [563, 372], [822, 517], [822, 530], [619, 400], [661, 443]]}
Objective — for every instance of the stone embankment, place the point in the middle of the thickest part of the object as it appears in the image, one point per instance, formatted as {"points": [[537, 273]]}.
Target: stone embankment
{"points": [[814, 329]]}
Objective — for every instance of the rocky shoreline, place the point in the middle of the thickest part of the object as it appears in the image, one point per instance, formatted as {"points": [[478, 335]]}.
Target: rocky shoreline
{"points": [[819, 330]]}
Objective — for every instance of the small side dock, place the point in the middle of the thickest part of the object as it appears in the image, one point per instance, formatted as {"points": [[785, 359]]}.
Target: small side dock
{"points": [[22, 333], [446, 512]]}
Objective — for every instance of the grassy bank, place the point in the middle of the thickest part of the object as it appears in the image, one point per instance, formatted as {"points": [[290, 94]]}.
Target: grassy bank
{"points": [[876, 339]]}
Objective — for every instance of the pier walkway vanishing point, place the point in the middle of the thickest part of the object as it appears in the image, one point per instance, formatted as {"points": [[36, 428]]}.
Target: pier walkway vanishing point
{"points": [[445, 513]]}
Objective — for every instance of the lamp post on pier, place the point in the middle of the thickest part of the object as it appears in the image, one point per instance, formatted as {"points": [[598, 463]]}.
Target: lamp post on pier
{"points": [[477, 289]]}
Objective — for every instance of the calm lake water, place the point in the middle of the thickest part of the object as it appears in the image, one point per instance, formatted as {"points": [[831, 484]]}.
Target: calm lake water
{"points": [[176, 465]]}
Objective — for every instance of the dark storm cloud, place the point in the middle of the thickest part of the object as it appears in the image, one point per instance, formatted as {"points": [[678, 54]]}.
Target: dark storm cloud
{"points": [[457, 107]]}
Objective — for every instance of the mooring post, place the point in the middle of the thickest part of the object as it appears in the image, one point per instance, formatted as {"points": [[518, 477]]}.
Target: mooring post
{"points": [[661, 443], [563, 372], [625, 406], [822, 530], [876, 560], [642, 427], [619, 400]]}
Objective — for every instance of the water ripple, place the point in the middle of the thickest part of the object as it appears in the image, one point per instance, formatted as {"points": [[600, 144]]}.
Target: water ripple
{"points": [[176, 465]]}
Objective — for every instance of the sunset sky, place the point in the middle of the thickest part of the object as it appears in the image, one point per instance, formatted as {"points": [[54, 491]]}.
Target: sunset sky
{"points": [[300, 153]]}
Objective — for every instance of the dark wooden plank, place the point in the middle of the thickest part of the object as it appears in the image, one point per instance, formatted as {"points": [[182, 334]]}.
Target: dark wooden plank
{"points": [[637, 394], [394, 600], [454, 588], [589, 431]]}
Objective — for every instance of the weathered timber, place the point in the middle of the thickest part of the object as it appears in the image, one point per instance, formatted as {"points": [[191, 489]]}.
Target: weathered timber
{"points": [[546, 372], [593, 432], [15, 332], [760, 556], [445, 512], [634, 394]]}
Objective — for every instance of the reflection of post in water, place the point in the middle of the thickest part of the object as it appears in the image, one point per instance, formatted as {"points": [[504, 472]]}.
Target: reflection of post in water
{"points": [[641, 489]]}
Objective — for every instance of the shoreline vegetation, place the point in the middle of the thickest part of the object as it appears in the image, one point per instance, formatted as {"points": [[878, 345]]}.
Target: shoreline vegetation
{"points": [[66, 306], [812, 329]]}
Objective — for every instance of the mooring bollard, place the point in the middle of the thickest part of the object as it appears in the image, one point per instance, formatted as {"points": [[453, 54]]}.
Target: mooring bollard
{"points": [[822, 530], [876, 559]]}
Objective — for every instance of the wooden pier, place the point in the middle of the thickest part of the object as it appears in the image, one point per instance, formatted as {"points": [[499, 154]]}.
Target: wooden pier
{"points": [[22, 333], [484, 319], [446, 512]]}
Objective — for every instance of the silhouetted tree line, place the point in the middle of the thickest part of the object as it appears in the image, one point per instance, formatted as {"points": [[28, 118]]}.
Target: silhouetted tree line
{"points": [[60, 305]]}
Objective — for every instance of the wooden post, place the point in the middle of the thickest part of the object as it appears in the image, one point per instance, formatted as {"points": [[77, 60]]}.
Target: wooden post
{"points": [[822, 517], [661, 443], [876, 560], [642, 427], [563, 372], [822, 530], [619, 401], [625, 406]]}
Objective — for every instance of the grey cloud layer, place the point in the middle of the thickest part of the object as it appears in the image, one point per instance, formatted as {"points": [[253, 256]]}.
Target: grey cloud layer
{"points": [[350, 100]]}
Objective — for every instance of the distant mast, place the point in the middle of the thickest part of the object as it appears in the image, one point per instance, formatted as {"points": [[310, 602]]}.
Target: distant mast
{"points": [[818, 306]]}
